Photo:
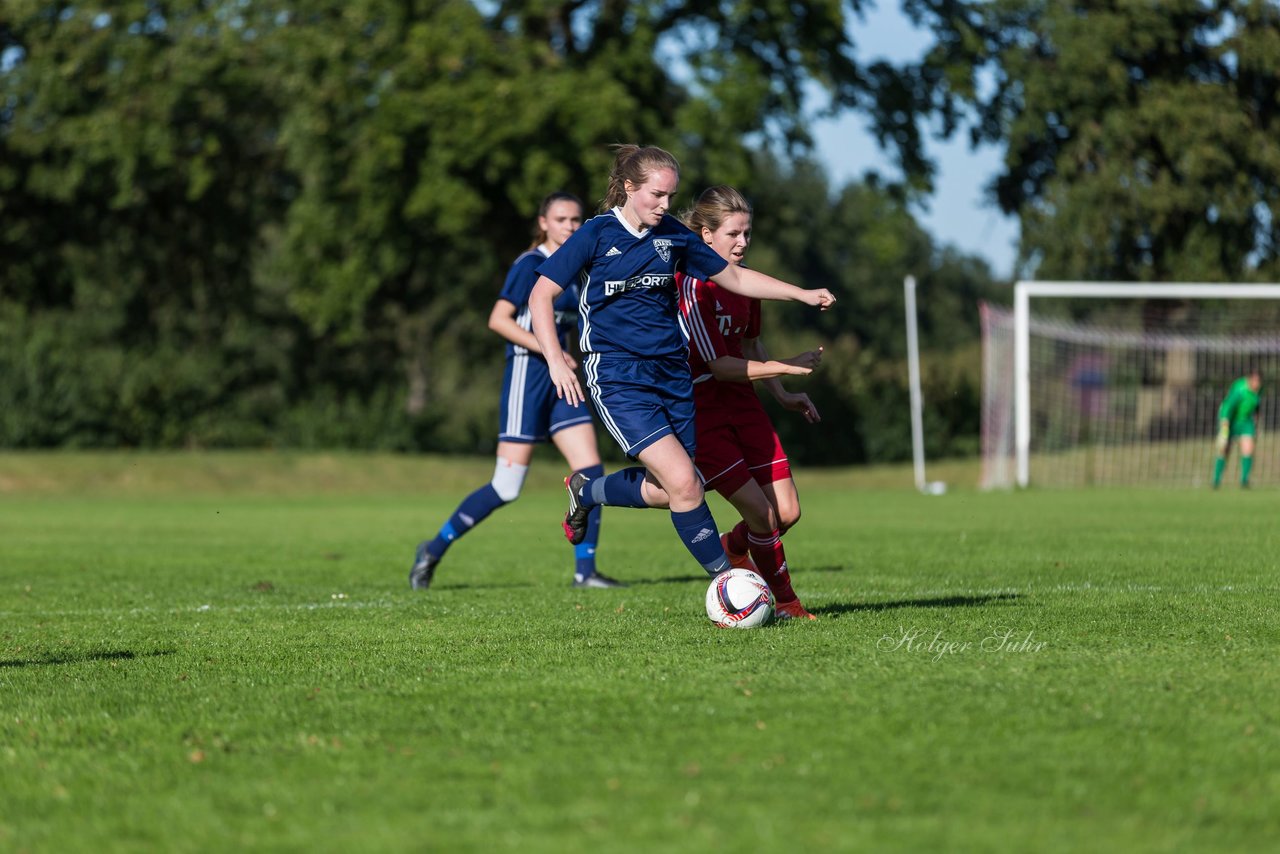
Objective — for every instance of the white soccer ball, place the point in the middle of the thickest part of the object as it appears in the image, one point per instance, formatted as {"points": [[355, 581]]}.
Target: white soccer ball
{"points": [[739, 599]]}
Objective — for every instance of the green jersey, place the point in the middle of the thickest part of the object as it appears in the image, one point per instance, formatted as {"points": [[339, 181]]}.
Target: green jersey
{"points": [[1240, 404]]}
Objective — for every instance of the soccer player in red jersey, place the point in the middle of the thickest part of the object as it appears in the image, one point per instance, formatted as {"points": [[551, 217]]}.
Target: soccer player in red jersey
{"points": [[738, 451]]}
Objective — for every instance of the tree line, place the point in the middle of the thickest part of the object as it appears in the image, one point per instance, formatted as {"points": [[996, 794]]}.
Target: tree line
{"points": [[246, 223]]}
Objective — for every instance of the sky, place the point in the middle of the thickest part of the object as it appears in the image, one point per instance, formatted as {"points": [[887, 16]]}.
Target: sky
{"points": [[958, 212]]}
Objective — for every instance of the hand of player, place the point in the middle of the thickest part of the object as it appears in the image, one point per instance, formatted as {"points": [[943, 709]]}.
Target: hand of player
{"points": [[569, 360], [805, 362], [820, 297], [800, 402], [565, 380], [1224, 436]]}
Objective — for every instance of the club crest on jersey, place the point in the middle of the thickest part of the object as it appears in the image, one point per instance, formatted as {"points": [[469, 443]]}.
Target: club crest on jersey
{"points": [[662, 246]]}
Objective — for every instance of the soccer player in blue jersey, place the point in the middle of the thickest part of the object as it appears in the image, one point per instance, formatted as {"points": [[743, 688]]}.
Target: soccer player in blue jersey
{"points": [[635, 357], [530, 410]]}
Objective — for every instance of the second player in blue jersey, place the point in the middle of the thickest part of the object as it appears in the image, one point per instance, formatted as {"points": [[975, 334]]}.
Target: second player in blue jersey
{"points": [[530, 410]]}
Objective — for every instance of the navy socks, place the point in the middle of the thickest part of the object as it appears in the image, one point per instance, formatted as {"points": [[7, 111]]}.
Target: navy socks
{"points": [[471, 512], [697, 531]]}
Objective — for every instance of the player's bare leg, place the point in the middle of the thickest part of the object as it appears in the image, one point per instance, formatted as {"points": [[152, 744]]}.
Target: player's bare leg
{"points": [[668, 479], [782, 494], [637, 486], [673, 481], [764, 541], [577, 444]]}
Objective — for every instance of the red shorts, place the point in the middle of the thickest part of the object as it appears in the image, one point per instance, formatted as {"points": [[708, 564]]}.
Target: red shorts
{"points": [[734, 451]]}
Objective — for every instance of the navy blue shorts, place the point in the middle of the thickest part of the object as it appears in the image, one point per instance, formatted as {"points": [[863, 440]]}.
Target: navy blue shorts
{"points": [[530, 410], [641, 400]]}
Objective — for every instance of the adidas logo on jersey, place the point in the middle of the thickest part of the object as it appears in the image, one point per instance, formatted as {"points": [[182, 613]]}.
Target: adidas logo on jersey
{"points": [[702, 535], [613, 250]]}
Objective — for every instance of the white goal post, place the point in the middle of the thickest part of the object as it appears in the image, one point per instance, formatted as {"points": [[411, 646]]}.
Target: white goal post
{"points": [[1023, 321]]}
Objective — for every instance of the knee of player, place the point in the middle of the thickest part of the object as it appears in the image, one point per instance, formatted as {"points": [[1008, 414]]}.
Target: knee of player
{"points": [[759, 515], [508, 480], [788, 517], [689, 490]]}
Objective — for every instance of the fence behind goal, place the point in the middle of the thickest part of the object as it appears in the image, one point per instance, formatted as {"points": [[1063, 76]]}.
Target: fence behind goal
{"points": [[1112, 404]]}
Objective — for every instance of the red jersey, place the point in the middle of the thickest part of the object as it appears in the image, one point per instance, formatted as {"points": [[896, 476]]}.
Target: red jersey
{"points": [[716, 321]]}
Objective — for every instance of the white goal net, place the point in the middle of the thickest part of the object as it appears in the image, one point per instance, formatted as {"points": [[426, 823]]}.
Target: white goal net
{"points": [[1119, 384]]}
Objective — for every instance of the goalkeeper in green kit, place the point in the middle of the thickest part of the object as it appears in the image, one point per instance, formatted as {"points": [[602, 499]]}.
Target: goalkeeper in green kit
{"points": [[1235, 421]]}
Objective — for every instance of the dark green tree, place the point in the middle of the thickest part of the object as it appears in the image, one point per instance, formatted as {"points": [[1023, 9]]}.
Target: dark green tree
{"points": [[422, 147], [860, 243], [137, 170], [1143, 139], [267, 222]]}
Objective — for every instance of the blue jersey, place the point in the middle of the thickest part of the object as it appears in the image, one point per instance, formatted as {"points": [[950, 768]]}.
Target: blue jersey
{"points": [[626, 281], [516, 289]]}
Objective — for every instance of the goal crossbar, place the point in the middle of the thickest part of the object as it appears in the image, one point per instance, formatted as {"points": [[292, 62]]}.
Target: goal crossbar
{"points": [[1023, 292]]}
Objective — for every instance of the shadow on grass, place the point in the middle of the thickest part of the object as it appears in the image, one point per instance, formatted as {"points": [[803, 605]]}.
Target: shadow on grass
{"points": [[933, 602], [673, 579], [630, 582], [509, 585], [497, 585], [80, 657]]}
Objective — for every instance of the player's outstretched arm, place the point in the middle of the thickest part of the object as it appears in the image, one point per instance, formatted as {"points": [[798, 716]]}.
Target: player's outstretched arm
{"points": [[795, 401], [542, 312], [757, 285], [759, 367], [735, 370]]}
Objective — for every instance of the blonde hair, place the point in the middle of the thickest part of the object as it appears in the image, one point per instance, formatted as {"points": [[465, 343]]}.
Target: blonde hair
{"points": [[540, 234], [634, 163], [713, 207]]}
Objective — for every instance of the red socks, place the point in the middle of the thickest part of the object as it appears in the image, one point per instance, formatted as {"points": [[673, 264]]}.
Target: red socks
{"points": [[771, 559]]}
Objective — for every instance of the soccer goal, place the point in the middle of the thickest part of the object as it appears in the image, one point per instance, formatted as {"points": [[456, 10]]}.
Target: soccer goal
{"points": [[1093, 383]]}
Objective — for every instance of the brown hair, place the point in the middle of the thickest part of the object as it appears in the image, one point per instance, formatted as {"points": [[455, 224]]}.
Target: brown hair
{"points": [[539, 234], [634, 163], [713, 207]]}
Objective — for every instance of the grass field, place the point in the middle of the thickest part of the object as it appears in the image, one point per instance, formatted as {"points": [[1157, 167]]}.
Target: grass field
{"points": [[209, 652]]}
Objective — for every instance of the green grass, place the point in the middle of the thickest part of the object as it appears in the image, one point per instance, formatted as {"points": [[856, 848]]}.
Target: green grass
{"points": [[205, 652]]}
